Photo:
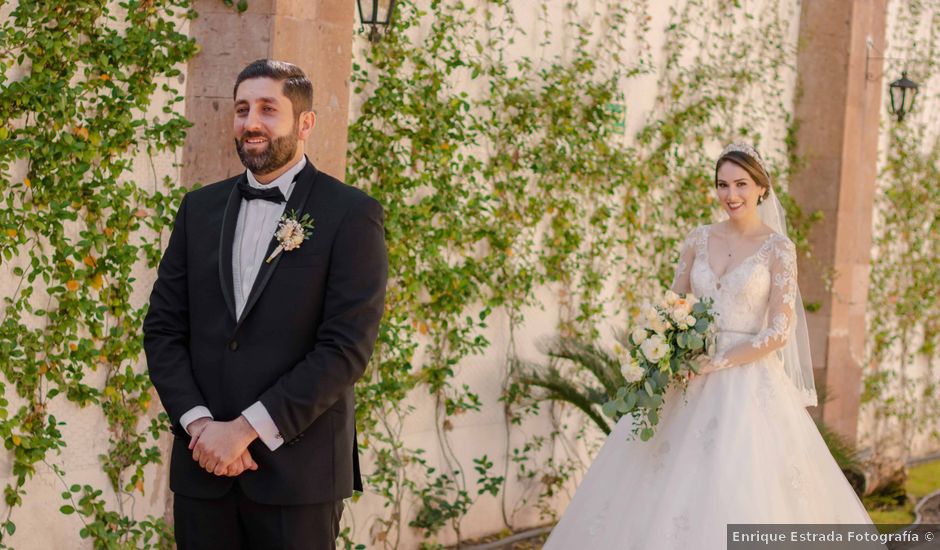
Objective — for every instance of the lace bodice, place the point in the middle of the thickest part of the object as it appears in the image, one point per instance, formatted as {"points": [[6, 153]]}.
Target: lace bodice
{"points": [[754, 299]]}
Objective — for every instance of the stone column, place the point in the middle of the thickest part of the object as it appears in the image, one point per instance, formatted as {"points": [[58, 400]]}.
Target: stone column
{"points": [[313, 34], [838, 116]]}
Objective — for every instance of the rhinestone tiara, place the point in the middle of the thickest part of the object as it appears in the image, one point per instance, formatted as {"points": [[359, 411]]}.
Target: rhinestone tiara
{"points": [[747, 150]]}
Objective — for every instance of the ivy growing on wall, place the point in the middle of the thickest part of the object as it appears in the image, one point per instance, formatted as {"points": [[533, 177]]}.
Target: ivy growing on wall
{"points": [[502, 174], [904, 295], [506, 174], [76, 110]]}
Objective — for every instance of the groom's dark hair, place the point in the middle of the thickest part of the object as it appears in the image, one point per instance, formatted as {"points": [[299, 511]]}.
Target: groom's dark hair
{"points": [[295, 84]]}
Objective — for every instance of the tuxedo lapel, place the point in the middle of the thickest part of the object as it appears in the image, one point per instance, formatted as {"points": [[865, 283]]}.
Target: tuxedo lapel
{"points": [[226, 238], [298, 198]]}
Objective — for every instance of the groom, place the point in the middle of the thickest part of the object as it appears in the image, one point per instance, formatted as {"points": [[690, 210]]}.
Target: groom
{"points": [[254, 340]]}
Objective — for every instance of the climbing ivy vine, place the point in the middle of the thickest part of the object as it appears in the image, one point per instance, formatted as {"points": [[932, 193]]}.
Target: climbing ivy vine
{"points": [[504, 175], [904, 296], [77, 109]]}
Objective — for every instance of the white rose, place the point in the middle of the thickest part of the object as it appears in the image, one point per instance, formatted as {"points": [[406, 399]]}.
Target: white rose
{"points": [[690, 321], [654, 348], [670, 297], [632, 372], [691, 298], [638, 335]]}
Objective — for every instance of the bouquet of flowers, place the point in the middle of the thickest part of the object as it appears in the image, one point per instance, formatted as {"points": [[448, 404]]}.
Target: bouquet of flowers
{"points": [[661, 350]]}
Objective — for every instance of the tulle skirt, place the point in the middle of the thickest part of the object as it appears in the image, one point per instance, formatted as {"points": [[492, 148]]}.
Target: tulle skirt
{"points": [[737, 447]]}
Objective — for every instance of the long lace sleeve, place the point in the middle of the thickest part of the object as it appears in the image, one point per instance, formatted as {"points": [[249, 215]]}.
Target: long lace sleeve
{"points": [[682, 281], [780, 313]]}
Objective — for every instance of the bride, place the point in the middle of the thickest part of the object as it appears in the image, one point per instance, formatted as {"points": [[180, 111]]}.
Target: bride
{"points": [[739, 446]]}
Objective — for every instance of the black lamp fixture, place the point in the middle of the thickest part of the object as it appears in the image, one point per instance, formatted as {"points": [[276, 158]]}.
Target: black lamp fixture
{"points": [[903, 91], [376, 13]]}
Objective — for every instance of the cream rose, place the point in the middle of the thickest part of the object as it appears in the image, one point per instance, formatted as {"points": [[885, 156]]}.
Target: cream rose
{"points": [[654, 348], [632, 372], [659, 325]]}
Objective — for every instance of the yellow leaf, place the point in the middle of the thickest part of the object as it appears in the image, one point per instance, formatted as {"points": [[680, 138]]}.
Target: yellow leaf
{"points": [[97, 281], [72, 285], [27, 183], [89, 261], [17, 440], [11, 233]]}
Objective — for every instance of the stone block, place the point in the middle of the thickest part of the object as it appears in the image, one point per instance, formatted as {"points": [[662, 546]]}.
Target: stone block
{"points": [[228, 42], [209, 153]]}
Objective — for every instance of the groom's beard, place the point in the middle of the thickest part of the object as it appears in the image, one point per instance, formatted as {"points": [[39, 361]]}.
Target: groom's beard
{"points": [[279, 152]]}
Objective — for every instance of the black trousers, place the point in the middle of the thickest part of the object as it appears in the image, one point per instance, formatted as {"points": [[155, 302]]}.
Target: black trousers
{"points": [[234, 522]]}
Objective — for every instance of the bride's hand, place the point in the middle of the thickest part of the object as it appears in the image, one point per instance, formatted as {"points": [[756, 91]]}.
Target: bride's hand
{"points": [[704, 365], [699, 364]]}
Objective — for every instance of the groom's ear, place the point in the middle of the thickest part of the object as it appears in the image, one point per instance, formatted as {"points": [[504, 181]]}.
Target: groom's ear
{"points": [[305, 124]]}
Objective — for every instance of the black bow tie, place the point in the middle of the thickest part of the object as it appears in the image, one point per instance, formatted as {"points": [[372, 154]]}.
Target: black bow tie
{"points": [[250, 193]]}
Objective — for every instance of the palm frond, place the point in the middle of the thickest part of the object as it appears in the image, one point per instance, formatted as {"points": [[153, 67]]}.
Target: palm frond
{"points": [[558, 388], [845, 454], [604, 366]]}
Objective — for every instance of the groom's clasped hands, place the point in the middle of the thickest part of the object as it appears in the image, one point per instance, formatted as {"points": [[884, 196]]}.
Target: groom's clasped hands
{"points": [[221, 448]]}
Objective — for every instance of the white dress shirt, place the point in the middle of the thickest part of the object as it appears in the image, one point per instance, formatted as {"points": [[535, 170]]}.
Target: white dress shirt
{"points": [[257, 222]]}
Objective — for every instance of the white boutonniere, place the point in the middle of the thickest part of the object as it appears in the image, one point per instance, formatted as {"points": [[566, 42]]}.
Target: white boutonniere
{"points": [[291, 233]]}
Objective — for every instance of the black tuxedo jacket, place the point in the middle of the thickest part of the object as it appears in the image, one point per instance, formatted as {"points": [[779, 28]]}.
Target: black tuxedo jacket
{"points": [[304, 337]]}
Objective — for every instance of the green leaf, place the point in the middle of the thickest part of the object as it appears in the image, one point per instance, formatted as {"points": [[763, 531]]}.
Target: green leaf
{"points": [[701, 326], [67, 509], [630, 401], [622, 407]]}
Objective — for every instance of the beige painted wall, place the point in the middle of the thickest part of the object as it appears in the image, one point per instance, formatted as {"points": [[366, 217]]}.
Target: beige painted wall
{"points": [[904, 51], [484, 432], [39, 523]]}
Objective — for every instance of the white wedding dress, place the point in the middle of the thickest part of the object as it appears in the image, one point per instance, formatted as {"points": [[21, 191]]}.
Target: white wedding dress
{"points": [[737, 447]]}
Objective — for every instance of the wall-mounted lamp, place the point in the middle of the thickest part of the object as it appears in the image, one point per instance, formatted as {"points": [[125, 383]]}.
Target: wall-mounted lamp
{"points": [[376, 14], [903, 91]]}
